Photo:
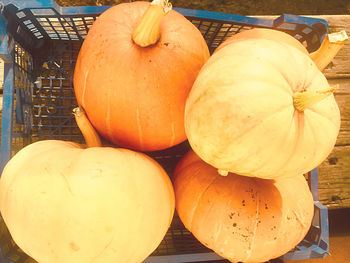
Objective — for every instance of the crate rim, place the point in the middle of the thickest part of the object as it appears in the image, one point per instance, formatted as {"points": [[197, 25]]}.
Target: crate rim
{"points": [[218, 16], [67, 10], [319, 26]]}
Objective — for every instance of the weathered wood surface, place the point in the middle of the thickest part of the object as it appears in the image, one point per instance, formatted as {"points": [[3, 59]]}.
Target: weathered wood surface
{"points": [[334, 180], [334, 176], [342, 97]]}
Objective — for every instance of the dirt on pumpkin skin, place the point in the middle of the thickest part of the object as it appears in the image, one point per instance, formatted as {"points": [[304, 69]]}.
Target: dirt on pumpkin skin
{"points": [[245, 7]]}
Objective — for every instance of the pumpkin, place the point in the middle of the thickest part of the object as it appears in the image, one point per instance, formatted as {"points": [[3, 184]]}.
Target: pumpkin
{"points": [[265, 33], [134, 72], [64, 203], [261, 108], [329, 48], [241, 218]]}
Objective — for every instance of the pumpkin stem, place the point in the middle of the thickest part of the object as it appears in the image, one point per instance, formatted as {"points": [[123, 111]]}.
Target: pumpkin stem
{"points": [[222, 172], [303, 100], [329, 48], [147, 31], [91, 137]]}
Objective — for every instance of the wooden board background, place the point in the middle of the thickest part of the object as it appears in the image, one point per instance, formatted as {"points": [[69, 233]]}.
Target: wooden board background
{"points": [[334, 184], [334, 179]]}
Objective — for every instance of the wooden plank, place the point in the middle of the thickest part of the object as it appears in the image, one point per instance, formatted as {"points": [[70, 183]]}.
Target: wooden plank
{"points": [[334, 172], [342, 96], [334, 179]]}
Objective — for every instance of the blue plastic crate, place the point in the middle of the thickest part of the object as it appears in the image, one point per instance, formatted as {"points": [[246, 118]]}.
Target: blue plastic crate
{"points": [[40, 42]]}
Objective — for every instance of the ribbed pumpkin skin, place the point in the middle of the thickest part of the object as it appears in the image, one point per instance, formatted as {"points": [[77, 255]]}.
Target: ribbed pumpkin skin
{"points": [[264, 33], [104, 205], [240, 117], [242, 218], [135, 97]]}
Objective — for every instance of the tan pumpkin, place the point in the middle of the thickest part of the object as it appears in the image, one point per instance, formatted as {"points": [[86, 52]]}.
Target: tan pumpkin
{"points": [[241, 218], [261, 108], [264, 33], [63, 203], [329, 48], [134, 72]]}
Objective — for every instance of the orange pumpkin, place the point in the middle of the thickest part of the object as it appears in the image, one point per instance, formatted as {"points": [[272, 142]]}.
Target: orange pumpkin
{"points": [[62, 203], [241, 218], [262, 108], [265, 33], [134, 72]]}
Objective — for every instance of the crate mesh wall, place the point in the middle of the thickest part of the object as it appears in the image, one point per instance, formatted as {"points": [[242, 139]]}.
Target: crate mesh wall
{"points": [[216, 32], [23, 65], [53, 94]]}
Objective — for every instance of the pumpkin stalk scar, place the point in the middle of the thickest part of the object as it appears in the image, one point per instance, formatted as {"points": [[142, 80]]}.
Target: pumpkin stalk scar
{"points": [[303, 100], [222, 172], [165, 4], [147, 31]]}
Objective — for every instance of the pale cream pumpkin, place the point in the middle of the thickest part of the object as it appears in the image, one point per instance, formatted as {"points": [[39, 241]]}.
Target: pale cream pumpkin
{"points": [[264, 33], [261, 108], [65, 204], [242, 218]]}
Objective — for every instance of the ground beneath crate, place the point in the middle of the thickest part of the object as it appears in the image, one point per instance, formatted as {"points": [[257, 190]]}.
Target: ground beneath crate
{"points": [[247, 7]]}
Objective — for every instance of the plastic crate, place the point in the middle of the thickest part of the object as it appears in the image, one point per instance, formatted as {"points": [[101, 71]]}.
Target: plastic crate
{"points": [[40, 42]]}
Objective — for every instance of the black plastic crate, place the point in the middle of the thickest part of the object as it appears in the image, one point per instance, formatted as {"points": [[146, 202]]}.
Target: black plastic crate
{"points": [[40, 42]]}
